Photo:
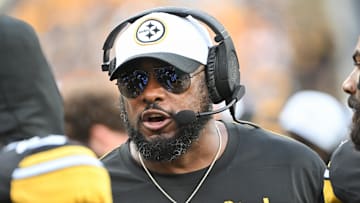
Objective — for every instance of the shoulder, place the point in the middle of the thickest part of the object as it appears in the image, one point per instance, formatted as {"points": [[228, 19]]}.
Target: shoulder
{"points": [[119, 160], [122, 168], [269, 140], [111, 157], [53, 153], [282, 159], [276, 147], [58, 165], [346, 154], [344, 172], [116, 158]]}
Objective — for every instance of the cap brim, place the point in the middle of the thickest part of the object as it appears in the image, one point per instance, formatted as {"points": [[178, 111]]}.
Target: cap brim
{"points": [[185, 64]]}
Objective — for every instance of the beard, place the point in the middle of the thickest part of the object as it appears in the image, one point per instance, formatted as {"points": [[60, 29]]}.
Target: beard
{"points": [[168, 149], [355, 127]]}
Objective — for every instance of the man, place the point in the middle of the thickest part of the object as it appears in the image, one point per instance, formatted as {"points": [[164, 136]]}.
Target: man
{"points": [[316, 119], [342, 177], [164, 61], [92, 113], [38, 163]]}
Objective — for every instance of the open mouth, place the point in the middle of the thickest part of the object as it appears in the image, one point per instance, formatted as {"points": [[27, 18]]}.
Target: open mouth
{"points": [[154, 119]]}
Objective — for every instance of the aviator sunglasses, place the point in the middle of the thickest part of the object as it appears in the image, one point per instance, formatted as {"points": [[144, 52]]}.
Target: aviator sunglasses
{"points": [[132, 83]]}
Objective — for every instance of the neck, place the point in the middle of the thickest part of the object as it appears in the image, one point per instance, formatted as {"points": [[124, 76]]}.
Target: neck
{"points": [[197, 157]]}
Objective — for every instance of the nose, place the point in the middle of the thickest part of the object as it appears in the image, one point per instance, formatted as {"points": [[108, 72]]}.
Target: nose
{"points": [[153, 92], [350, 83]]}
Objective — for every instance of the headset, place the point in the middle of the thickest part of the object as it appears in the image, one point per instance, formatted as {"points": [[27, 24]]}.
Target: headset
{"points": [[222, 69]]}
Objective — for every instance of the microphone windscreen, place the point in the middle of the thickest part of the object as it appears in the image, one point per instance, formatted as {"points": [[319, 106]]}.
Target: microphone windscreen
{"points": [[184, 117]]}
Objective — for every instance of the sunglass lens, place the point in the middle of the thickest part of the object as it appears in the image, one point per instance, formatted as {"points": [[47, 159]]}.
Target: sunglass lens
{"points": [[132, 84], [172, 79]]}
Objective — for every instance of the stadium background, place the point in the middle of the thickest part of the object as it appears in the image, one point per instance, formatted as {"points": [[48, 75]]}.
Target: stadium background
{"points": [[283, 46]]}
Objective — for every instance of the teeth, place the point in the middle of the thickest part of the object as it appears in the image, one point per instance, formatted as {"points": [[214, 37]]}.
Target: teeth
{"points": [[154, 116]]}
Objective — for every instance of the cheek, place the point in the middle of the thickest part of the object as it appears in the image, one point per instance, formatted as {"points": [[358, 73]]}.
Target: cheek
{"points": [[131, 109], [197, 94], [357, 95]]}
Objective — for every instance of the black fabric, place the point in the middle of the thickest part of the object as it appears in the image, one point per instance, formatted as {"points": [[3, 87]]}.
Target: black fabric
{"points": [[11, 155], [255, 165], [344, 173], [30, 102], [11, 158]]}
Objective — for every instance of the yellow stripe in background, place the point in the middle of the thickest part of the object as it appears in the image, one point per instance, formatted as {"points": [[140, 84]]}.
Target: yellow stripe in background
{"points": [[266, 200], [329, 194], [55, 153], [68, 185]]}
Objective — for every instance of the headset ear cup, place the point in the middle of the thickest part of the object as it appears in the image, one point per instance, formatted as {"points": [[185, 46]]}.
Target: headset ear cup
{"points": [[210, 76], [222, 70]]}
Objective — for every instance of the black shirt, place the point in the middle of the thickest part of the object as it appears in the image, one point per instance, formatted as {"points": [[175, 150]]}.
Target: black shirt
{"points": [[256, 166], [344, 175]]}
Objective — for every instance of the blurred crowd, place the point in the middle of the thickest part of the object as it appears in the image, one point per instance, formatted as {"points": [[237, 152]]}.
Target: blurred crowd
{"points": [[283, 46]]}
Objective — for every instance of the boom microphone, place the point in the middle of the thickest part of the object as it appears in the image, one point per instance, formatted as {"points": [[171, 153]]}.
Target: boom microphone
{"points": [[188, 116]]}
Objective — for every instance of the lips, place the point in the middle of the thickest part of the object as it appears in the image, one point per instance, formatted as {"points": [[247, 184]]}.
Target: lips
{"points": [[155, 120]]}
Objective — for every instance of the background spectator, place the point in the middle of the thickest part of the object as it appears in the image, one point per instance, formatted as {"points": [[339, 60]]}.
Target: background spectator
{"points": [[316, 119], [92, 113], [287, 45], [38, 163]]}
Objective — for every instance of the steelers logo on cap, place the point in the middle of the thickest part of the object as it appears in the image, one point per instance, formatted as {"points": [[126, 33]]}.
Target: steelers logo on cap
{"points": [[150, 31]]}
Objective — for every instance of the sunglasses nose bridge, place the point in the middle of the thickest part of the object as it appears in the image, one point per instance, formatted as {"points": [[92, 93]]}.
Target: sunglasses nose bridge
{"points": [[153, 90], [166, 79]]}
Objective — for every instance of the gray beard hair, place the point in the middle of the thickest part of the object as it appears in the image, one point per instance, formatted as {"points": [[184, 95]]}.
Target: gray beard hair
{"points": [[355, 129], [168, 149]]}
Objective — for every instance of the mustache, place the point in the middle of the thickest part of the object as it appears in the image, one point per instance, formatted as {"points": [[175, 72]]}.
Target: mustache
{"points": [[154, 105], [354, 103]]}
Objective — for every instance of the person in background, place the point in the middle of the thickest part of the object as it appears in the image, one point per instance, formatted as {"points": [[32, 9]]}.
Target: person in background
{"points": [[92, 114], [342, 178], [38, 163], [316, 119], [170, 73]]}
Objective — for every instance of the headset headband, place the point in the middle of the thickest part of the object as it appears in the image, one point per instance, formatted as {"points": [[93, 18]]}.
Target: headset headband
{"points": [[223, 75], [217, 27]]}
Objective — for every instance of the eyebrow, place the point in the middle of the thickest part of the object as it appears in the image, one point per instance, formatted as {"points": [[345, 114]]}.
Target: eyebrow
{"points": [[356, 57]]}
